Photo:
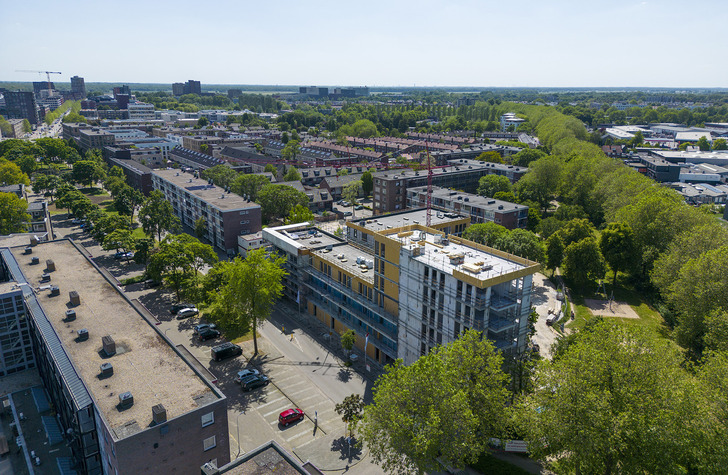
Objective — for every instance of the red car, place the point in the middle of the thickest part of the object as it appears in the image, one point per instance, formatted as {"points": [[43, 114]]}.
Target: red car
{"points": [[290, 415]]}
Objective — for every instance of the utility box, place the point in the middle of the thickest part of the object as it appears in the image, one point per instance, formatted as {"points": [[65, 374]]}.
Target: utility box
{"points": [[159, 414], [107, 370], [74, 297], [45, 278], [55, 290], [28, 250], [50, 265], [34, 260], [82, 334], [109, 345], [126, 400], [70, 315]]}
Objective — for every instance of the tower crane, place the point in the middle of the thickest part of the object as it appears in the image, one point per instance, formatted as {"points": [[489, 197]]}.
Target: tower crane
{"points": [[48, 74]]}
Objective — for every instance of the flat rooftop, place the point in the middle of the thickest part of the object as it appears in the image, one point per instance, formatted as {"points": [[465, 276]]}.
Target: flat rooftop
{"points": [[397, 220], [144, 363], [210, 194], [344, 257], [470, 199], [436, 255]]}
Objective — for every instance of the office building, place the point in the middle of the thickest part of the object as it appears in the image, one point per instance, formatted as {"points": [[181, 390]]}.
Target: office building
{"points": [[192, 87], [480, 209], [127, 401], [140, 111], [227, 215], [178, 89], [22, 105], [78, 87], [405, 288], [93, 137], [390, 187]]}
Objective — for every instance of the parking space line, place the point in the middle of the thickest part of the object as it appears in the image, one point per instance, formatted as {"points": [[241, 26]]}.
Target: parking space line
{"points": [[294, 385], [270, 402], [280, 409], [306, 399], [299, 392], [281, 380], [297, 436]]}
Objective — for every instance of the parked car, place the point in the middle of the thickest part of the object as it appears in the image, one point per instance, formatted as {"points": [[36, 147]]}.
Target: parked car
{"points": [[252, 382], [203, 326], [151, 283], [358, 207], [127, 256], [207, 334], [289, 416], [75, 221], [226, 350], [348, 213], [179, 306], [246, 373], [187, 312]]}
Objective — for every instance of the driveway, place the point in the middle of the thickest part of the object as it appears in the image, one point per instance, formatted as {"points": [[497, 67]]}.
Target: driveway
{"points": [[543, 298]]}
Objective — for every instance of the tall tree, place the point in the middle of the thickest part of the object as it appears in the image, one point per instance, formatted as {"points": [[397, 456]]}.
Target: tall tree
{"points": [[13, 216], [87, 172], [277, 201], [541, 183], [292, 175], [352, 191], [126, 202], [253, 286], [618, 247], [300, 214], [489, 185], [291, 151], [250, 185], [221, 175], [119, 239], [367, 183], [616, 401], [11, 174], [485, 233], [554, 251], [444, 407], [157, 215], [583, 261], [350, 410]]}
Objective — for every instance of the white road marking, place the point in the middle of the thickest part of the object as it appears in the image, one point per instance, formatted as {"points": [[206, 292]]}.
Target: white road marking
{"points": [[270, 402]]}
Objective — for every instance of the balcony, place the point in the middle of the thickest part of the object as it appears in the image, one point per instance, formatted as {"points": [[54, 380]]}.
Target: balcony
{"points": [[500, 303]]}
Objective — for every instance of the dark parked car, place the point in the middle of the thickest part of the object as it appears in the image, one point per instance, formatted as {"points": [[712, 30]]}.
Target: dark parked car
{"points": [[179, 306], [207, 334], [253, 382], [226, 350]]}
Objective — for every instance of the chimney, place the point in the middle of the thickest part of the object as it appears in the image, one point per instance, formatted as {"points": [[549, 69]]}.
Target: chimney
{"points": [[159, 414]]}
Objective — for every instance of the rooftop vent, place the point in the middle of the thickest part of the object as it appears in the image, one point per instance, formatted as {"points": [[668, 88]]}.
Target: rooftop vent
{"points": [[35, 260], [74, 298], [34, 240], [55, 291], [70, 315], [82, 334], [159, 414], [50, 265], [45, 278], [28, 250], [126, 400], [106, 370], [109, 345]]}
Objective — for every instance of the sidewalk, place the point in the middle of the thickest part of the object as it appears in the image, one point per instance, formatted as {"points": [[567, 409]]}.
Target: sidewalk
{"points": [[333, 454]]}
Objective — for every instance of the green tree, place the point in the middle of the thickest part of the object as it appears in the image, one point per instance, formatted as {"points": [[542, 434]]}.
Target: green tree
{"points": [[250, 185], [616, 401], [703, 144], [348, 338], [522, 243], [526, 156], [485, 233], [443, 407], [352, 191], [11, 174], [48, 184], [342, 172], [350, 410], [26, 126], [490, 156], [554, 251], [291, 151], [618, 247], [143, 250], [292, 175], [510, 197], [221, 175], [583, 262], [179, 260], [106, 224], [157, 215], [720, 144], [200, 227], [364, 128], [489, 185], [126, 202], [254, 284], [542, 181], [27, 163], [300, 214], [13, 216], [277, 201], [270, 168], [203, 122], [87, 172], [576, 230], [119, 239], [367, 183]]}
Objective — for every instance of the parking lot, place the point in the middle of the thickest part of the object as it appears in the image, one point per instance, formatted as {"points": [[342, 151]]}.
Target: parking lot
{"points": [[302, 373]]}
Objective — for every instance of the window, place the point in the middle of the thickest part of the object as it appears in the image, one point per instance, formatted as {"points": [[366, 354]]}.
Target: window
{"points": [[209, 443], [208, 419]]}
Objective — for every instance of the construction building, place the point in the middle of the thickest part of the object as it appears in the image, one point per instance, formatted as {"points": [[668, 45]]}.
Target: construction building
{"points": [[405, 288], [127, 401]]}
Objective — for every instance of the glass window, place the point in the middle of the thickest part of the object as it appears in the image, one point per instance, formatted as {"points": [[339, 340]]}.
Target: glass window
{"points": [[209, 443], [208, 419]]}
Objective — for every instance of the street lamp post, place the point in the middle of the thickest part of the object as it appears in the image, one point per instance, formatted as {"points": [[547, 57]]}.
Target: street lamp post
{"points": [[237, 423]]}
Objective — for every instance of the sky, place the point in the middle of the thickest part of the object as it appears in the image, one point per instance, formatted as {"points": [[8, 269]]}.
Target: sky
{"points": [[428, 43]]}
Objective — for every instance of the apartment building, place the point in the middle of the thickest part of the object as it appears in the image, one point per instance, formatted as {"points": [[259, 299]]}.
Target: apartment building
{"points": [[140, 111], [390, 187], [127, 401], [479, 208], [22, 105], [93, 137], [405, 288], [227, 215]]}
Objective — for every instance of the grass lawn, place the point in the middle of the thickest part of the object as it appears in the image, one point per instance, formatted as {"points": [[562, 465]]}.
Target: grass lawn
{"points": [[649, 317], [247, 337]]}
